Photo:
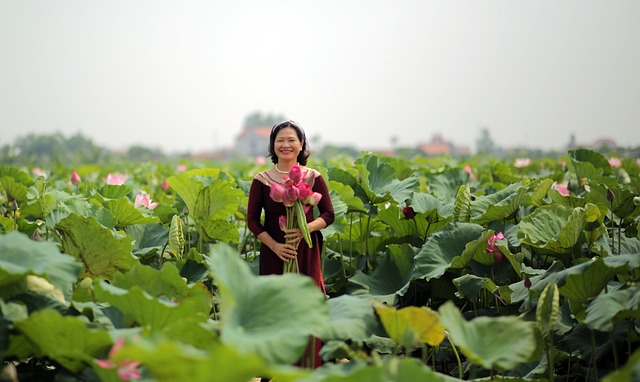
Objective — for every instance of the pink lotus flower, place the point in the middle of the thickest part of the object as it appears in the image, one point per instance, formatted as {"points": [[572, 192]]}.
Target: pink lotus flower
{"points": [[127, 370], [290, 196], [522, 162], [295, 174], [37, 171], [313, 199], [304, 190], [498, 256], [282, 221], [75, 178], [277, 192], [638, 161], [145, 200], [469, 171], [181, 168], [165, 185], [260, 161], [116, 179], [561, 188], [615, 162]]}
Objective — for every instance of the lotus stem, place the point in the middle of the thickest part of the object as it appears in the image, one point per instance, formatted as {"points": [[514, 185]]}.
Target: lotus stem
{"points": [[455, 351], [614, 348], [593, 354]]}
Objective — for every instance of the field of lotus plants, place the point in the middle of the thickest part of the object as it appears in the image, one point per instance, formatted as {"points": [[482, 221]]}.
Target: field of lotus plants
{"points": [[436, 269]]}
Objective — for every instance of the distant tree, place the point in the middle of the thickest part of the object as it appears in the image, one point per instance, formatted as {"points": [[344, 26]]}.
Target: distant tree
{"points": [[140, 154], [257, 119], [485, 144], [55, 149]]}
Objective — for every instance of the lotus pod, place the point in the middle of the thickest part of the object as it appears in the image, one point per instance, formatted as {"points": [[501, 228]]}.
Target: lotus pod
{"points": [[176, 236], [302, 223], [548, 310]]}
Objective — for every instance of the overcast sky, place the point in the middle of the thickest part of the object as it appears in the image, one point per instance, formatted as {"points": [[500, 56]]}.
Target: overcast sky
{"points": [[183, 75]]}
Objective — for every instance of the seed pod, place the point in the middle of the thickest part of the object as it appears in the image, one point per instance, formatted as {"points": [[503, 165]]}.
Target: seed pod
{"points": [[302, 223]]}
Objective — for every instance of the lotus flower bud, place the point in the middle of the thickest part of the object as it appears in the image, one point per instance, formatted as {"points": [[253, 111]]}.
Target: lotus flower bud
{"points": [[527, 282], [277, 192], [75, 178], [295, 174], [409, 212], [610, 195]]}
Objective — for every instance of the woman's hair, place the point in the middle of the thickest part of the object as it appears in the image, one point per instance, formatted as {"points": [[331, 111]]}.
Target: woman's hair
{"points": [[304, 153]]}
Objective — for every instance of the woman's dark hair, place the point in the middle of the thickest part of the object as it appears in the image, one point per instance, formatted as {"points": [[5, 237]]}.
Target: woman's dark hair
{"points": [[304, 153]]}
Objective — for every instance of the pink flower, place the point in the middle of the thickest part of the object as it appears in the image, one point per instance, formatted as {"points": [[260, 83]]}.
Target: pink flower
{"points": [[165, 185], [181, 168], [75, 178], [615, 162], [304, 190], [295, 174], [469, 171], [37, 171], [260, 161], [638, 161], [277, 192], [522, 162], [313, 199], [145, 200], [498, 256], [290, 196], [116, 179], [127, 370], [282, 221], [561, 188]]}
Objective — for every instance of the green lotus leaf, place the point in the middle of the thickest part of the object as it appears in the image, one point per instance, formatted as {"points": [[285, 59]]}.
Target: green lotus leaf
{"points": [[628, 373], [548, 309], [174, 361], [608, 308], [103, 253], [589, 164], [346, 195], [14, 190], [113, 191], [469, 286], [445, 185], [540, 190], [269, 315], [148, 235], [152, 314], [622, 204], [391, 369], [187, 187], [427, 204], [126, 214], [580, 287], [391, 277], [554, 228], [411, 325], [491, 342], [341, 176], [221, 230], [351, 318], [167, 284], [381, 182], [21, 256], [446, 249], [498, 206], [66, 340]]}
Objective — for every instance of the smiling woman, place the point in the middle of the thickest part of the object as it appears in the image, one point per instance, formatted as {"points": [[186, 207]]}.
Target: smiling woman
{"points": [[288, 149]]}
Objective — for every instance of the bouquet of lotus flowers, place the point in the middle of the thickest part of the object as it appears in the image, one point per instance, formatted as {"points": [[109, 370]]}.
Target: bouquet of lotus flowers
{"points": [[296, 195]]}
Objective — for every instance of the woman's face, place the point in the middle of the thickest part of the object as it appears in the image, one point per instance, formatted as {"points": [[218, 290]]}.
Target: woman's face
{"points": [[287, 145]]}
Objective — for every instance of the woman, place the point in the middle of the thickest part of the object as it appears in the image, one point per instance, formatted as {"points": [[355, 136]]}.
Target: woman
{"points": [[288, 147]]}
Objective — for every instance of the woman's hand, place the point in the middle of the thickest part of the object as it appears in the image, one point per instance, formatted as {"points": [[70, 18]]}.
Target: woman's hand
{"points": [[285, 252], [293, 236]]}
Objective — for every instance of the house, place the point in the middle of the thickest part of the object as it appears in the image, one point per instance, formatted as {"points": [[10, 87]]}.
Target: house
{"points": [[253, 141], [438, 146]]}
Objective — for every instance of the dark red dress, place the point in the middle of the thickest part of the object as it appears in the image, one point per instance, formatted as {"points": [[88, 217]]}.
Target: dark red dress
{"points": [[259, 200], [308, 258]]}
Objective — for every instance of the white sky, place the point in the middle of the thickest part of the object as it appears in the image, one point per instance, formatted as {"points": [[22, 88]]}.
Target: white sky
{"points": [[183, 75]]}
